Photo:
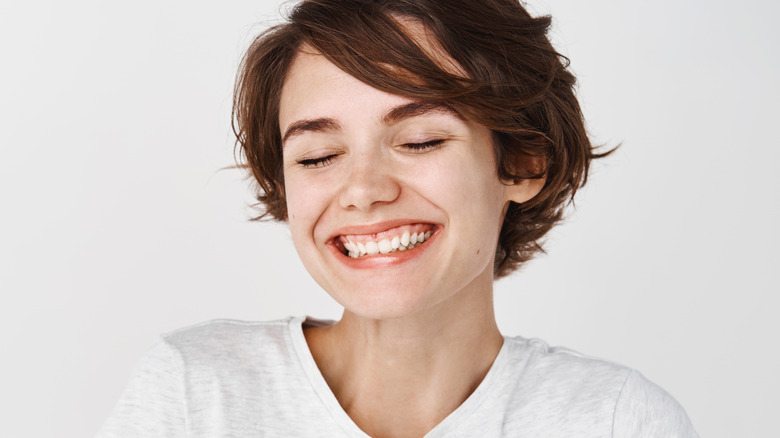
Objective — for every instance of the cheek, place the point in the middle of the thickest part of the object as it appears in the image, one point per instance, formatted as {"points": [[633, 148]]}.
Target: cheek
{"points": [[464, 184], [298, 204], [301, 219], [307, 200]]}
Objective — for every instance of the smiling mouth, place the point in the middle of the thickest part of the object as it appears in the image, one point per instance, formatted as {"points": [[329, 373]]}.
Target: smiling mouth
{"points": [[397, 239]]}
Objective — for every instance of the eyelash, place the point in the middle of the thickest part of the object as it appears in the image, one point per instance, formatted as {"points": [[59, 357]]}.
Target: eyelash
{"points": [[431, 144], [316, 162], [324, 161]]}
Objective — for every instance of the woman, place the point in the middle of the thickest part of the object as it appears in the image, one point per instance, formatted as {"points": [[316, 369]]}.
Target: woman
{"points": [[418, 150]]}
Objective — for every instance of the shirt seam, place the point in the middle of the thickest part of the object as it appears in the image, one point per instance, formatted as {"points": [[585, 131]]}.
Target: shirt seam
{"points": [[617, 401], [279, 322], [178, 364]]}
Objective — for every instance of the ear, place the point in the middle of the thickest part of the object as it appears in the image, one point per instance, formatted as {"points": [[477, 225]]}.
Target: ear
{"points": [[530, 173], [522, 190]]}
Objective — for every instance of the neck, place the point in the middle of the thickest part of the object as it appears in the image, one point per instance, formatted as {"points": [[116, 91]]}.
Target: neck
{"points": [[401, 377]]}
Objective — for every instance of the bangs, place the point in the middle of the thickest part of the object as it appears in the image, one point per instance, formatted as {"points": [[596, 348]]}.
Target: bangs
{"points": [[387, 50]]}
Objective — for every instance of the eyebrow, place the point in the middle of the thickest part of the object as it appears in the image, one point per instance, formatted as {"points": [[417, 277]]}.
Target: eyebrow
{"points": [[312, 125], [395, 115], [414, 109]]}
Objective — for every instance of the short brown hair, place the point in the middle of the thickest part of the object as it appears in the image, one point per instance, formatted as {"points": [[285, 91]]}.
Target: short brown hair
{"points": [[514, 83]]}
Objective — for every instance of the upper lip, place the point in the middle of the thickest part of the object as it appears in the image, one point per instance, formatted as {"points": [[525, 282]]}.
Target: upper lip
{"points": [[376, 227]]}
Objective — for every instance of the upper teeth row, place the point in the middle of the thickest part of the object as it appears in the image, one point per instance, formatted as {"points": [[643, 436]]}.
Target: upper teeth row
{"points": [[398, 243]]}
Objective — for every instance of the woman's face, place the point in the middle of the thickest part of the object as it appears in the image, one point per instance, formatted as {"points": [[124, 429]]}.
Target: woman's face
{"points": [[364, 172]]}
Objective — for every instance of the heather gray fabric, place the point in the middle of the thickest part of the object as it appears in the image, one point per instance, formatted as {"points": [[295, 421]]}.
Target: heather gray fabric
{"points": [[258, 379]]}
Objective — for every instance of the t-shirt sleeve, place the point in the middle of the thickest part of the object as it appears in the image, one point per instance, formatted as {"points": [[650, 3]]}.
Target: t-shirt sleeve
{"points": [[644, 410], [153, 404]]}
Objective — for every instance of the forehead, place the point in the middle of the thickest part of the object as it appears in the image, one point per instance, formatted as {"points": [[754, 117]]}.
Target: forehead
{"points": [[315, 87], [308, 71]]}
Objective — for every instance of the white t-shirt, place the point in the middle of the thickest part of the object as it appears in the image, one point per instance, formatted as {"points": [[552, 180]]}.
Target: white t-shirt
{"points": [[258, 379]]}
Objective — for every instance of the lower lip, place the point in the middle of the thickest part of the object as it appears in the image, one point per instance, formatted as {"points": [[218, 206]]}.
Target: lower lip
{"points": [[383, 260]]}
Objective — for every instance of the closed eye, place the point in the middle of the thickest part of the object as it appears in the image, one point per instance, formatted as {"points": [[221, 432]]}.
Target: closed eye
{"points": [[316, 162], [326, 160], [432, 144]]}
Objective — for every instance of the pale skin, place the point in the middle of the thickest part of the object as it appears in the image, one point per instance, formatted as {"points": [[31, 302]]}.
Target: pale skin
{"points": [[418, 333]]}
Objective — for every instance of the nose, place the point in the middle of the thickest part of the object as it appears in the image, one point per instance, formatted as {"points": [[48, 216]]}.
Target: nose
{"points": [[369, 182]]}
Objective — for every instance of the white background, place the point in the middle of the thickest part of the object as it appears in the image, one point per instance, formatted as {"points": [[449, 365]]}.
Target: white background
{"points": [[117, 223]]}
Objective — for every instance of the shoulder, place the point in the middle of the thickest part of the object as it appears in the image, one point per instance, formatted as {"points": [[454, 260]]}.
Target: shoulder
{"points": [[586, 391], [563, 369], [224, 335], [224, 348], [190, 375], [644, 409]]}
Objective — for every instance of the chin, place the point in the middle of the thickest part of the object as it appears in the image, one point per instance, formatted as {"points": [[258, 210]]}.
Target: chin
{"points": [[384, 303]]}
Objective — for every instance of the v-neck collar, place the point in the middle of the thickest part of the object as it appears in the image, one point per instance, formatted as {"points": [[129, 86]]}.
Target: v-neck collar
{"points": [[320, 386]]}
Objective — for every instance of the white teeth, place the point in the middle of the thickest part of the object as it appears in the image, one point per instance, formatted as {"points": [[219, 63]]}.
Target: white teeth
{"points": [[405, 238], [385, 246], [403, 242], [372, 247]]}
